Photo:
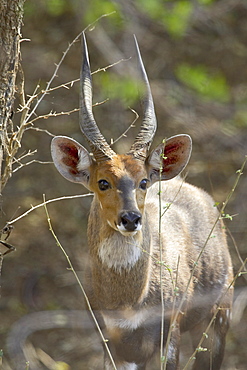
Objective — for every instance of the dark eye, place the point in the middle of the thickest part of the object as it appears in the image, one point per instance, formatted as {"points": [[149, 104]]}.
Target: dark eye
{"points": [[143, 184], [103, 185]]}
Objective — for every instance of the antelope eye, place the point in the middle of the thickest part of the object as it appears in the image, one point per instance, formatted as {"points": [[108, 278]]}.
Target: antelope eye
{"points": [[103, 185], [143, 184]]}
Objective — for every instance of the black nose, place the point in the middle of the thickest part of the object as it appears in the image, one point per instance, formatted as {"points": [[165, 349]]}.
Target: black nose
{"points": [[130, 220]]}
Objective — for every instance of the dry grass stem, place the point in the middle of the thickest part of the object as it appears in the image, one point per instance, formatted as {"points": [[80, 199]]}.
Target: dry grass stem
{"points": [[79, 283]]}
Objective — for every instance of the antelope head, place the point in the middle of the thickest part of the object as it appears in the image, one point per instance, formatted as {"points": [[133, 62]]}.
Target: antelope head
{"points": [[119, 182]]}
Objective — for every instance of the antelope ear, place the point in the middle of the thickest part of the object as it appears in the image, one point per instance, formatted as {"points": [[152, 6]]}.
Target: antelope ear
{"points": [[169, 158], [71, 159]]}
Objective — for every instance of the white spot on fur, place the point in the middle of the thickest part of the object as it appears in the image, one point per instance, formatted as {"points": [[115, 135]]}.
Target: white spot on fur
{"points": [[124, 366], [119, 252], [124, 232], [217, 343], [84, 161], [129, 319], [171, 354], [155, 159], [128, 366], [229, 314]]}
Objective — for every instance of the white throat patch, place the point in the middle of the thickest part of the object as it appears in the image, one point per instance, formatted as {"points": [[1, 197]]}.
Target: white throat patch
{"points": [[120, 252]]}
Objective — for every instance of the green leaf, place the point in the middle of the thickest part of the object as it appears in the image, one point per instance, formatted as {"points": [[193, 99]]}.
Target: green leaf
{"points": [[206, 2], [240, 118], [154, 8], [173, 15], [56, 7], [210, 85], [97, 8], [29, 9], [123, 88], [177, 19]]}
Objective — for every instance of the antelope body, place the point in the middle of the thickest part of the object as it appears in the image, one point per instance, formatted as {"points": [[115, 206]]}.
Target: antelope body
{"points": [[149, 238]]}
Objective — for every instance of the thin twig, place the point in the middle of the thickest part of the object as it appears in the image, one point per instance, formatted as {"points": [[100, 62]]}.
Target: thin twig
{"points": [[41, 130], [53, 114], [28, 154], [46, 202], [162, 357], [69, 84], [124, 134], [45, 91], [66, 113], [175, 317], [80, 285], [240, 172], [204, 335], [104, 69], [21, 165]]}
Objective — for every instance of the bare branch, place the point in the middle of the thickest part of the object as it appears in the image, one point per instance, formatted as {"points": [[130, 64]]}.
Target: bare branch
{"points": [[124, 134], [29, 153], [59, 65], [33, 208], [53, 114], [21, 165], [57, 114], [104, 69], [41, 130]]}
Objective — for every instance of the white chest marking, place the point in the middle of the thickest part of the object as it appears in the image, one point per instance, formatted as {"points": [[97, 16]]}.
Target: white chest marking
{"points": [[119, 252]]}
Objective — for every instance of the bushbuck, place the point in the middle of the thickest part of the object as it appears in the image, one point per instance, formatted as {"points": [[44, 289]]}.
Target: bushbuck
{"points": [[159, 261]]}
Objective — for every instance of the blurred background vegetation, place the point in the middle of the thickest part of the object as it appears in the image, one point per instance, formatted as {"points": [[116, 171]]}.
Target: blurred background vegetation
{"points": [[195, 53]]}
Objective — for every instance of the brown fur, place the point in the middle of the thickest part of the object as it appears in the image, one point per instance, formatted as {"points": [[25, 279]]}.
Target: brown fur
{"points": [[145, 245], [124, 285]]}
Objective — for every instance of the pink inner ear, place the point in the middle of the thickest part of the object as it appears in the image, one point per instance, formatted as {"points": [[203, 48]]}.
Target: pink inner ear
{"points": [[70, 158], [171, 155]]}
